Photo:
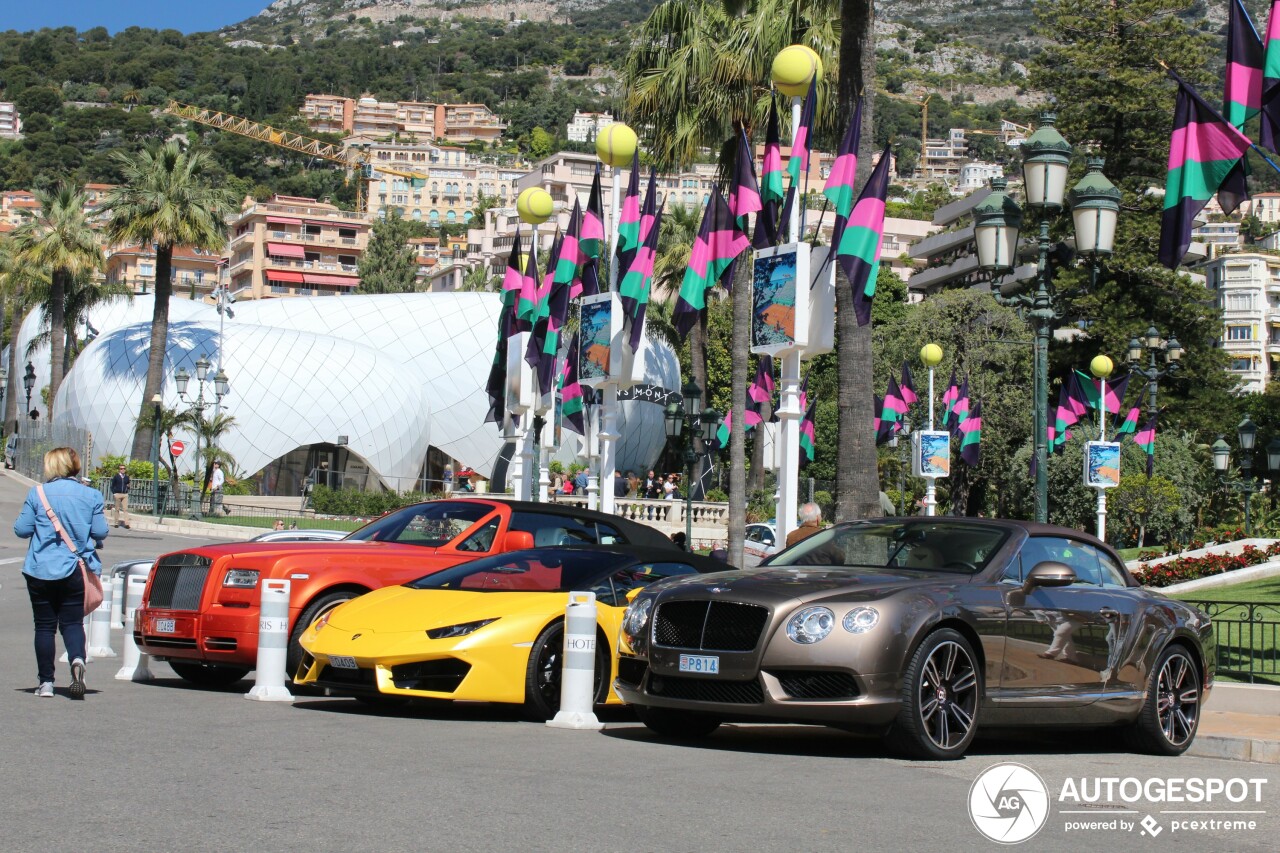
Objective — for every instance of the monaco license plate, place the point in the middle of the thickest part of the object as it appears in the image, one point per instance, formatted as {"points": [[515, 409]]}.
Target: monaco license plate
{"points": [[342, 662], [700, 663], [166, 626]]}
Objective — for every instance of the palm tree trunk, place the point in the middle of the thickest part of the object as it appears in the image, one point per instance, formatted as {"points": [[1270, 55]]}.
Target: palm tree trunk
{"points": [[856, 481], [57, 334], [11, 392], [737, 437], [757, 451], [142, 436], [698, 370]]}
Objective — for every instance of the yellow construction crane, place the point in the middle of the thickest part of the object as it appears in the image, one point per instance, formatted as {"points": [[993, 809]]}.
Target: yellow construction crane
{"points": [[354, 159], [923, 104]]}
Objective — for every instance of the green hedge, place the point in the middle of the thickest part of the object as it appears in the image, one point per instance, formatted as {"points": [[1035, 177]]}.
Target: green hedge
{"points": [[363, 504]]}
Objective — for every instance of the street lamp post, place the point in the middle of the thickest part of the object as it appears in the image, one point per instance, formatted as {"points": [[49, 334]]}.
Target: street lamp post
{"points": [[1154, 346], [198, 405], [29, 383], [4, 387], [685, 419], [1095, 204], [1247, 438]]}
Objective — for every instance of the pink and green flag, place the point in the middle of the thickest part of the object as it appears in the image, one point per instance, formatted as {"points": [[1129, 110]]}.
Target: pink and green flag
{"points": [[771, 188], [635, 285], [808, 433], [1269, 103], [1206, 156], [718, 244], [744, 191], [971, 436], [960, 409], [568, 268], [512, 282], [1242, 89], [572, 411], [893, 410], [949, 397], [1091, 389], [798, 164], [1066, 416], [860, 239], [759, 392], [629, 218], [844, 171], [592, 241], [907, 385], [1130, 425], [1146, 439]]}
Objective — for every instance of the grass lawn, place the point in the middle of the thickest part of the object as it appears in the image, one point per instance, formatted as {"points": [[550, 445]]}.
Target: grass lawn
{"points": [[266, 522], [1245, 644]]}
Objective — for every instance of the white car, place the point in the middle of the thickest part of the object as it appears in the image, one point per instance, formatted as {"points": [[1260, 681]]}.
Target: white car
{"points": [[304, 535], [761, 540]]}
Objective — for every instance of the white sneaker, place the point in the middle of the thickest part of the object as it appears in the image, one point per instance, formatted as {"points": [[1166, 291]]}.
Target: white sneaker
{"points": [[45, 690], [77, 679]]}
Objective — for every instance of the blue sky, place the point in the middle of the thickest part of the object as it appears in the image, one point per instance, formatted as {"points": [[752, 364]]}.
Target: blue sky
{"points": [[116, 15]]}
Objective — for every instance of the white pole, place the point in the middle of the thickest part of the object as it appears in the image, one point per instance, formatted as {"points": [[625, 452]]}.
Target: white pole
{"points": [[117, 601], [608, 445], [134, 662], [793, 227], [931, 483], [577, 678], [1102, 436], [273, 644], [100, 625], [544, 456], [613, 227], [592, 421], [789, 416]]}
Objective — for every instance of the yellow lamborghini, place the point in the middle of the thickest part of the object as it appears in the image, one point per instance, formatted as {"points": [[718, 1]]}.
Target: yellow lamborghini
{"points": [[490, 630]]}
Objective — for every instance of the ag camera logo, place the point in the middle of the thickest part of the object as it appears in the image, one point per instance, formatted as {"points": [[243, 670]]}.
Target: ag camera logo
{"points": [[1008, 803]]}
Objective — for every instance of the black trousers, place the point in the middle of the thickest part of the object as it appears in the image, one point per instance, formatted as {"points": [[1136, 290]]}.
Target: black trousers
{"points": [[57, 605]]}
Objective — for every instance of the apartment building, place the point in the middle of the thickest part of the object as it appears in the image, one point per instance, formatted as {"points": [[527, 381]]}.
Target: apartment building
{"points": [[367, 116], [10, 121], [584, 127], [292, 246], [435, 184], [193, 272], [1265, 206], [949, 256], [329, 113], [942, 158], [1246, 287]]}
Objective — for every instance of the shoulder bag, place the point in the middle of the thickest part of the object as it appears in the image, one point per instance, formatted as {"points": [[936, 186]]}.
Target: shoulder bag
{"points": [[92, 583]]}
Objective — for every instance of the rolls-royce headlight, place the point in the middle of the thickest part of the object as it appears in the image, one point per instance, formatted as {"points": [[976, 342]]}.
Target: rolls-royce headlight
{"points": [[243, 578], [860, 620], [636, 619], [810, 625]]}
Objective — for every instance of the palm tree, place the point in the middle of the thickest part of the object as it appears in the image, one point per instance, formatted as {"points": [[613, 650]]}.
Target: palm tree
{"points": [[82, 296], [167, 200], [58, 238], [697, 76], [20, 286]]}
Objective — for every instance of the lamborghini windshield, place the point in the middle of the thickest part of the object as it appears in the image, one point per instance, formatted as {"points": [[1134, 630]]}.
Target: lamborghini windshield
{"points": [[539, 570], [928, 546]]}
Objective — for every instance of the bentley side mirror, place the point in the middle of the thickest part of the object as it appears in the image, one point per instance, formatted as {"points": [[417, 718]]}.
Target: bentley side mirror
{"points": [[1049, 573]]}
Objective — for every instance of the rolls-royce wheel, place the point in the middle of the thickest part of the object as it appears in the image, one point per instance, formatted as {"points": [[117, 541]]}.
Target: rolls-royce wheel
{"points": [[941, 691], [207, 675], [1171, 714], [542, 677], [673, 723]]}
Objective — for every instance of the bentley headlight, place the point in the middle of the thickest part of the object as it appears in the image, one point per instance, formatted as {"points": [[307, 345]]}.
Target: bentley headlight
{"points": [[860, 620], [462, 629], [636, 619], [243, 578], [810, 625]]}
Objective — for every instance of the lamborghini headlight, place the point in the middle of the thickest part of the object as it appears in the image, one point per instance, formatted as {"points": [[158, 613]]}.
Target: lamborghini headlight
{"points": [[462, 629]]}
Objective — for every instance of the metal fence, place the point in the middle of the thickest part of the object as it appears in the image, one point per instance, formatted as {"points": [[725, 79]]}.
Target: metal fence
{"points": [[36, 438], [1248, 637]]}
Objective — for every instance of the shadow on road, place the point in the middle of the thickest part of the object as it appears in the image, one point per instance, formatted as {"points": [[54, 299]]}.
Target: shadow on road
{"points": [[427, 709]]}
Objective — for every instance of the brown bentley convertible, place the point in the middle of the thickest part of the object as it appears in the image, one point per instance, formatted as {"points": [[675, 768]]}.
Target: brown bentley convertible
{"points": [[924, 629]]}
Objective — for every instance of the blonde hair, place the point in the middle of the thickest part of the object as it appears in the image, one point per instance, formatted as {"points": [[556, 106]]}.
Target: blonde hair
{"points": [[61, 462]]}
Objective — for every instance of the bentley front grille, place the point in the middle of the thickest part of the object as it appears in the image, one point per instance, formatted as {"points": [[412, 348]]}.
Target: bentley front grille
{"points": [[720, 626]]}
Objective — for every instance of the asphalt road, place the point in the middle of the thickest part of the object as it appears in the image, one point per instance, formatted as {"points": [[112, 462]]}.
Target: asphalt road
{"points": [[164, 767]]}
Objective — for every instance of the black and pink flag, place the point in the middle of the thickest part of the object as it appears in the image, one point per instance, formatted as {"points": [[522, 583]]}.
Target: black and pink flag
{"points": [[1242, 88]]}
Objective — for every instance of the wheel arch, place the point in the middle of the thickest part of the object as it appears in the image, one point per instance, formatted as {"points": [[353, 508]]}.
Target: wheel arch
{"points": [[960, 626], [358, 589]]}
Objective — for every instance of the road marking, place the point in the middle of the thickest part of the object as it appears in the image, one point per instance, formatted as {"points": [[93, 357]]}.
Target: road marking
{"points": [[11, 560]]}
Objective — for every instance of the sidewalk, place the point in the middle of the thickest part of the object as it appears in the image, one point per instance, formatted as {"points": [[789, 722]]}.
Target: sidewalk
{"points": [[1241, 722]]}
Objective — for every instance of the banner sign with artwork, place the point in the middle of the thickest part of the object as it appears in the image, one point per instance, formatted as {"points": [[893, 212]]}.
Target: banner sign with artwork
{"points": [[780, 299], [600, 333], [931, 453], [1102, 464]]}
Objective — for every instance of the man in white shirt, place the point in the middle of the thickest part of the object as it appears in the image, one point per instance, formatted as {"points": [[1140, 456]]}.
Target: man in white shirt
{"points": [[216, 481]]}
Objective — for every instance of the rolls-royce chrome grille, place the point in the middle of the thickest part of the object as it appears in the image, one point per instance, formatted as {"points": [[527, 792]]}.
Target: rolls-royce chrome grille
{"points": [[722, 626]]}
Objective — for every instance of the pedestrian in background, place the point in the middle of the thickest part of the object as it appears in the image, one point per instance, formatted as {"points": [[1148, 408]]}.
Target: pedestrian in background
{"points": [[216, 481], [580, 482], [810, 523], [55, 584], [120, 498]]}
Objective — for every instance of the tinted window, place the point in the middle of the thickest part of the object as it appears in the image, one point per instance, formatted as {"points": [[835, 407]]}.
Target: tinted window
{"points": [[1082, 558], [547, 570], [549, 530], [1111, 573], [430, 524], [614, 590]]}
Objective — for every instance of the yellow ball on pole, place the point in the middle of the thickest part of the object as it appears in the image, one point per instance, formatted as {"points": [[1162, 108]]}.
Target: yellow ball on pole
{"points": [[931, 355], [616, 145], [1101, 366], [793, 68], [535, 206]]}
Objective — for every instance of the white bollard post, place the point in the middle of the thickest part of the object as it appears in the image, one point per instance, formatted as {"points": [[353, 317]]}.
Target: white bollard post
{"points": [[577, 677], [135, 664], [99, 636], [117, 601], [273, 643]]}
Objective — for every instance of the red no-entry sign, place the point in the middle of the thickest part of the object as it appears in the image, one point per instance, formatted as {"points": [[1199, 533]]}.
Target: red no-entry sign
{"points": [[176, 448]]}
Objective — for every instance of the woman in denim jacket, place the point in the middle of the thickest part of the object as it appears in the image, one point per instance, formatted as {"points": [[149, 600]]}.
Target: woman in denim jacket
{"points": [[51, 570]]}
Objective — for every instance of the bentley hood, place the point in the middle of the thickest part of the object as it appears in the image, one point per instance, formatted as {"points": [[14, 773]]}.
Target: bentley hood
{"points": [[770, 586]]}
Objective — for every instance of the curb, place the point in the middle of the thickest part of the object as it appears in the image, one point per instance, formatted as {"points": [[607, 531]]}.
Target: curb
{"points": [[1236, 749]]}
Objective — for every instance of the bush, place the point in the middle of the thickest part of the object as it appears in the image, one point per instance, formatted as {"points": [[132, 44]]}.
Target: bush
{"points": [[1191, 568], [363, 504], [135, 468], [717, 496]]}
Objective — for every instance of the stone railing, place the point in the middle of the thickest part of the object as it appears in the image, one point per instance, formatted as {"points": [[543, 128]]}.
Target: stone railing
{"points": [[710, 519]]}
